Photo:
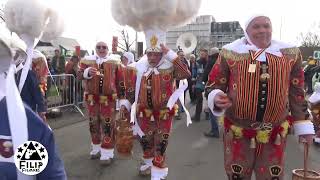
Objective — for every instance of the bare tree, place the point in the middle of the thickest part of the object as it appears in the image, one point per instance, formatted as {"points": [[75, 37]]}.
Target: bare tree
{"points": [[312, 37], [309, 39], [202, 44], [125, 43]]}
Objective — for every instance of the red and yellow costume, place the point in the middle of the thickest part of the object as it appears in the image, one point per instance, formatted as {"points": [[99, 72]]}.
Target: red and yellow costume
{"points": [[262, 94], [100, 94], [155, 85], [40, 67]]}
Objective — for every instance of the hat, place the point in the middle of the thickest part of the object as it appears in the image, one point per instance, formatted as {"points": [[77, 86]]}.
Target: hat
{"points": [[213, 51], [15, 109], [129, 56], [37, 54], [154, 38], [246, 23], [18, 48]]}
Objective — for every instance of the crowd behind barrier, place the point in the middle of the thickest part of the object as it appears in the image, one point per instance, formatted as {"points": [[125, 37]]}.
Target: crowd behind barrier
{"points": [[64, 90]]}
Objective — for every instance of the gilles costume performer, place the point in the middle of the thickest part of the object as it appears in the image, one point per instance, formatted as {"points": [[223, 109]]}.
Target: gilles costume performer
{"points": [[155, 98], [263, 86], [33, 91], [18, 123], [155, 94], [100, 94], [40, 67]]}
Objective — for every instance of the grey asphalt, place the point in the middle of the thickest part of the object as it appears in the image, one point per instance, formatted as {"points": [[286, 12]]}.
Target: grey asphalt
{"points": [[191, 156]]}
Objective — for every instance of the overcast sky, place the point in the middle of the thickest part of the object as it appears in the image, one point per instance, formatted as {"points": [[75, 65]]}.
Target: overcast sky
{"points": [[89, 21]]}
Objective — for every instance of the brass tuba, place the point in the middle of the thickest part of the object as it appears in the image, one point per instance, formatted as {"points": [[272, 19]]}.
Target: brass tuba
{"points": [[187, 42]]}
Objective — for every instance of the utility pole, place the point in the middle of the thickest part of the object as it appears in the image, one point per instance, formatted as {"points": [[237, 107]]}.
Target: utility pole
{"points": [[136, 48], [281, 28]]}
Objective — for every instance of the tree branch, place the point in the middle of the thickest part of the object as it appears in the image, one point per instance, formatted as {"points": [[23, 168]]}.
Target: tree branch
{"points": [[309, 39], [122, 48], [131, 43], [121, 44]]}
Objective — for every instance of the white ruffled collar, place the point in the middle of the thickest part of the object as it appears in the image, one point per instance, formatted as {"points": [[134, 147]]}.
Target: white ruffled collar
{"points": [[242, 47], [96, 58], [143, 65]]}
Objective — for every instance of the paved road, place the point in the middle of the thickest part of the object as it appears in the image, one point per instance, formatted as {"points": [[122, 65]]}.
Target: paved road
{"points": [[191, 155]]}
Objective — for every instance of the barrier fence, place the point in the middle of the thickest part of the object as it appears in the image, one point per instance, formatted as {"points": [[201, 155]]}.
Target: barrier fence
{"points": [[64, 90]]}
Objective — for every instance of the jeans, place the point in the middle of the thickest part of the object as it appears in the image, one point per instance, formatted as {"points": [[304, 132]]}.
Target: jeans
{"points": [[214, 124]]}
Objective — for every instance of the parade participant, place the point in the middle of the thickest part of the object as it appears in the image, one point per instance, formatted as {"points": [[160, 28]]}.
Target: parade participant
{"points": [[256, 81], [19, 124], [156, 74], [40, 67], [101, 73], [127, 58], [127, 76], [32, 92], [182, 58], [155, 106]]}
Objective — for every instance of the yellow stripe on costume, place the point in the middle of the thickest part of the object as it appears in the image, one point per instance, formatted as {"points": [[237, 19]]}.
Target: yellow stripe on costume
{"points": [[231, 55]]}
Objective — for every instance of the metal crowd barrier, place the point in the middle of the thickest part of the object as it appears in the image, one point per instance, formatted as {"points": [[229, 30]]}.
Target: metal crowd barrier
{"points": [[64, 91]]}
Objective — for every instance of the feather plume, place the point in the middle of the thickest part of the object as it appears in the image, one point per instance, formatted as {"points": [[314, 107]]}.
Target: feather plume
{"points": [[149, 14]]}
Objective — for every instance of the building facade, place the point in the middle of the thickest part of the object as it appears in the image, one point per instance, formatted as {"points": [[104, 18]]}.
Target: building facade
{"points": [[209, 33], [200, 27], [67, 47], [223, 33]]}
